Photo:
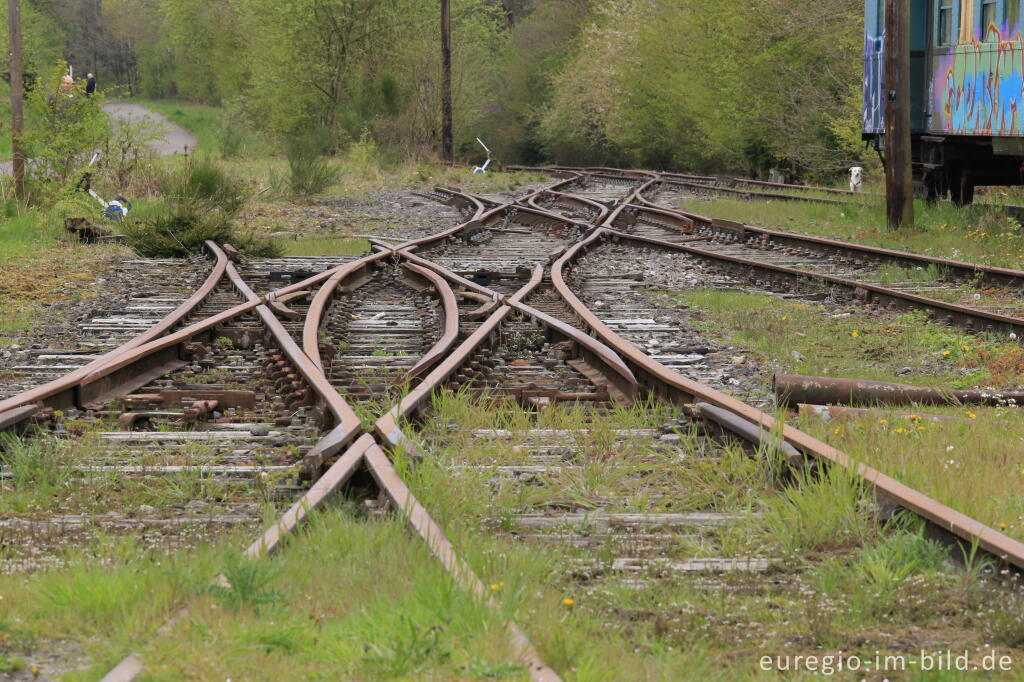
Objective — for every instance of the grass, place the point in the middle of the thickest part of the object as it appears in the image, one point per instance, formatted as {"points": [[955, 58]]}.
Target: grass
{"points": [[40, 268], [801, 337], [975, 233], [398, 615], [965, 463], [969, 463], [325, 246], [843, 582], [202, 121]]}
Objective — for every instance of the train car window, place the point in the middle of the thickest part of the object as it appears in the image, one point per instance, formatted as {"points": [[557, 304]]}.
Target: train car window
{"points": [[989, 16], [944, 22]]}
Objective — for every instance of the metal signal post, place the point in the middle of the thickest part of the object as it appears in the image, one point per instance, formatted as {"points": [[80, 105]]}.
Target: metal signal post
{"points": [[899, 182]]}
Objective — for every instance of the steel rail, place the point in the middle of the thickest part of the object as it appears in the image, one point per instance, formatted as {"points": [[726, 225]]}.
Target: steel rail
{"points": [[69, 382], [348, 426], [964, 269], [606, 355], [451, 322], [398, 492], [672, 383], [966, 316]]}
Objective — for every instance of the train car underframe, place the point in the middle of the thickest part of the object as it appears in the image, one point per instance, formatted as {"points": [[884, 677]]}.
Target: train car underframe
{"points": [[956, 164]]}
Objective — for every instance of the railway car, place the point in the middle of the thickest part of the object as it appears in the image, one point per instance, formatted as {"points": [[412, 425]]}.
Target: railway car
{"points": [[967, 93]]}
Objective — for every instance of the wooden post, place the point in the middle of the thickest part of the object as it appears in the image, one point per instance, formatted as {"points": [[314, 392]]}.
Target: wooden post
{"points": [[899, 181], [446, 81], [17, 116]]}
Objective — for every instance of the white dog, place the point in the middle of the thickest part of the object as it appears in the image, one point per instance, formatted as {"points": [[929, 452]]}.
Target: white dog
{"points": [[856, 182]]}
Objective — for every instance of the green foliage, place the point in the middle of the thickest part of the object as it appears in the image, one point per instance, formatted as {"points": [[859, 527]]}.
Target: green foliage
{"points": [[66, 129], [248, 582], [310, 171], [202, 184], [33, 464], [199, 203]]}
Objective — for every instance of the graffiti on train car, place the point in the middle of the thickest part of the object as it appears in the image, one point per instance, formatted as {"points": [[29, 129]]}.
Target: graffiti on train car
{"points": [[979, 88], [874, 80]]}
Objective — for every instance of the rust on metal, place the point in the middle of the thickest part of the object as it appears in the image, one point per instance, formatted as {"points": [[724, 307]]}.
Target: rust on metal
{"points": [[402, 499], [797, 388]]}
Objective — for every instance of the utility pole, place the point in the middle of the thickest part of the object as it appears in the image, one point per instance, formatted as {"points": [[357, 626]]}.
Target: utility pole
{"points": [[899, 181], [446, 81], [17, 117]]}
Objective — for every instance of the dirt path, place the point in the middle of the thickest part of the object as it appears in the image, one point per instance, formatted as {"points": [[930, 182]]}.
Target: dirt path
{"points": [[172, 137]]}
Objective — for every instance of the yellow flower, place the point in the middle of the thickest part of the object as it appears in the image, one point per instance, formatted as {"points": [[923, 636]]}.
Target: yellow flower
{"points": [[971, 415], [883, 421], [1002, 526], [568, 601], [920, 428], [967, 347], [913, 417], [945, 352], [837, 430], [854, 334], [497, 586], [785, 317], [901, 430]]}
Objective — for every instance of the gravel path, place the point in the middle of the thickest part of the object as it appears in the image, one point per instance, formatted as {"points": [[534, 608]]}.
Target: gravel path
{"points": [[173, 138]]}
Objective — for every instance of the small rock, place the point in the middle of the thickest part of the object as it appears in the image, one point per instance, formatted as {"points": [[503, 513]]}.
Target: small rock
{"points": [[197, 505], [259, 431], [797, 355], [671, 438], [738, 359], [904, 371], [146, 509]]}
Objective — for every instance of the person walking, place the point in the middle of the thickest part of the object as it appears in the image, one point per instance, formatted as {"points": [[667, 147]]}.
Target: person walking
{"points": [[90, 85]]}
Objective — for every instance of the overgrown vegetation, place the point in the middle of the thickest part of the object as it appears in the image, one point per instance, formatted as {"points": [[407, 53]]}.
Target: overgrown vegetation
{"points": [[735, 86], [977, 234], [199, 202], [310, 171], [802, 337]]}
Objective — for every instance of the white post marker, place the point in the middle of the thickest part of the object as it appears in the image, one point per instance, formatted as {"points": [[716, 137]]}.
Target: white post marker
{"points": [[483, 168]]}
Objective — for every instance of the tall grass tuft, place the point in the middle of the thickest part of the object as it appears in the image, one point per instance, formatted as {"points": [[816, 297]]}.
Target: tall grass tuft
{"points": [[200, 201], [310, 171], [824, 511]]}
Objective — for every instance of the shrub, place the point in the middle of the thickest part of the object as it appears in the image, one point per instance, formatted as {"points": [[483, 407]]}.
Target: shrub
{"points": [[310, 171], [199, 203], [164, 231], [202, 184]]}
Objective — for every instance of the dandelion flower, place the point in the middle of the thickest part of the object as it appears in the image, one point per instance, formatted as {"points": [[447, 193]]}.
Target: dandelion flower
{"points": [[920, 428], [496, 586], [901, 430], [971, 415], [854, 334], [838, 430], [785, 317], [883, 421], [568, 601], [945, 352], [1002, 526], [967, 348]]}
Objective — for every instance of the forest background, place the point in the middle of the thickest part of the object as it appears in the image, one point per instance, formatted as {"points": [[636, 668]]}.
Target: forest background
{"points": [[699, 85]]}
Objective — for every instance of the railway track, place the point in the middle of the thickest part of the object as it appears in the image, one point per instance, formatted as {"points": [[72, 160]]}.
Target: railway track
{"points": [[299, 377]]}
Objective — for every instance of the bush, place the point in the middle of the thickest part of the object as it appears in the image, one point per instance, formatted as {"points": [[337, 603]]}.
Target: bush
{"points": [[310, 171], [199, 203], [201, 184]]}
